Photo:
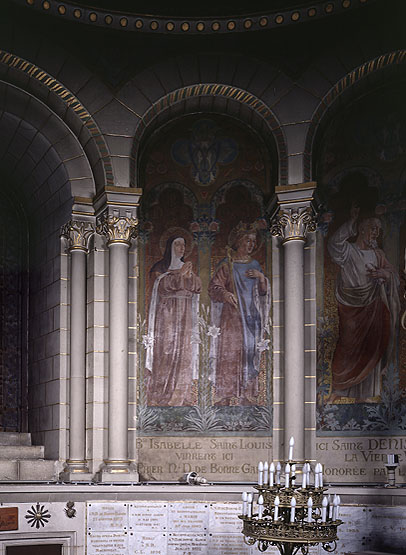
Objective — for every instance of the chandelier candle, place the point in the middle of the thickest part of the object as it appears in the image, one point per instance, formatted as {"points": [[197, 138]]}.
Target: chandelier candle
{"points": [[278, 473], [260, 506], [291, 444], [293, 470], [244, 503], [316, 477], [309, 509], [324, 509], [266, 468], [276, 510], [260, 473], [292, 509], [250, 501], [271, 474], [291, 517], [287, 473]]}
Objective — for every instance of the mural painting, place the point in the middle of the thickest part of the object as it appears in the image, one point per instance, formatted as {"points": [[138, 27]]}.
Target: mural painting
{"points": [[205, 335], [172, 357], [240, 295], [361, 342]]}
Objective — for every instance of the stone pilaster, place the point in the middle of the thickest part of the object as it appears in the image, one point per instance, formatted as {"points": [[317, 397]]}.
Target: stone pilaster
{"points": [[78, 234], [292, 224], [118, 223]]}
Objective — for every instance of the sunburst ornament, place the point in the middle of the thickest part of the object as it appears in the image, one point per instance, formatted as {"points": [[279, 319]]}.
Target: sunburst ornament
{"points": [[37, 516]]}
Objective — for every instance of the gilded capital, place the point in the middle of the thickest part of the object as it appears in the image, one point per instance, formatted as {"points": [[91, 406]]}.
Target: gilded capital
{"points": [[117, 229], [77, 234], [293, 224]]}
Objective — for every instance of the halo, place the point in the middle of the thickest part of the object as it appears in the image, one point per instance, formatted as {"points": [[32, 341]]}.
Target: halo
{"points": [[177, 232]]}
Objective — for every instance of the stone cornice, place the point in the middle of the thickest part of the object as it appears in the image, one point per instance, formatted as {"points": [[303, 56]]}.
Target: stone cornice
{"points": [[142, 23]]}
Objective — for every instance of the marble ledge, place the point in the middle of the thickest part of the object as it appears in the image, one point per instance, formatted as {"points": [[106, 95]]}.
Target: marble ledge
{"points": [[21, 492]]}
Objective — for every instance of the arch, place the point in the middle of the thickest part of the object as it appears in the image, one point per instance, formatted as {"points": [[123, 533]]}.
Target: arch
{"points": [[60, 139], [254, 112], [351, 84], [219, 197], [152, 196], [64, 104]]}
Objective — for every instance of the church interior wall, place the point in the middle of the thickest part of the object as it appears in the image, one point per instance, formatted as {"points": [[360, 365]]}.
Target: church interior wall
{"points": [[83, 121]]}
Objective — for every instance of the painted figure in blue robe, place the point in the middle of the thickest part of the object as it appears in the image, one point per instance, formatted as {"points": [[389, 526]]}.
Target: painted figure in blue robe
{"points": [[240, 294]]}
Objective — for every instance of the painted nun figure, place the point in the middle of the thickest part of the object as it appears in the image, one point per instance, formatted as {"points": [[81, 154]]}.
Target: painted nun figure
{"points": [[171, 359]]}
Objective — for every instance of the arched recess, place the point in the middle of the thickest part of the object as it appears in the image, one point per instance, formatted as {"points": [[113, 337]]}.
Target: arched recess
{"points": [[206, 181], [213, 98], [358, 158], [385, 68], [64, 104], [13, 314], [43, 166]]}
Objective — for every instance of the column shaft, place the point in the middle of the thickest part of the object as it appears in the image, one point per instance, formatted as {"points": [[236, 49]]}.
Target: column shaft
{"points": [[118, 358], [78, 234], [292, 223], [294, 346], [77, 396]]}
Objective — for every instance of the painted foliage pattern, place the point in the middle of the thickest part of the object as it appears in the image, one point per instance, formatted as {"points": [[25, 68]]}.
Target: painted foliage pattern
{"points": [[361, 341], [205, 335]]}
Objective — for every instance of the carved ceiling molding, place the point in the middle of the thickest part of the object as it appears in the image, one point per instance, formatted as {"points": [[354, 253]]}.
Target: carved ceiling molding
{"points": [[192, 25]]}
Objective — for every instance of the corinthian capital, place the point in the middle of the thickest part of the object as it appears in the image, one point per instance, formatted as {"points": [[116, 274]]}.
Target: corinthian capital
{"points": [[294, 223], [117, 229], [77, 234]]}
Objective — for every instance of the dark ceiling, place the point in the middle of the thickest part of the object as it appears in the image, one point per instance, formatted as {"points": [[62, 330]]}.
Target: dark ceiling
{"points": [[198, 9]]}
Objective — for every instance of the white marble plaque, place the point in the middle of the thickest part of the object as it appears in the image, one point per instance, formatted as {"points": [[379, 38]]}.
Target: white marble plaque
{"points": [[188, 517], [228, 544], [386, 528], [313, 550], [352, 534], [107, 516], [147, 543], [148, 515], [223, 517], [187, 544], [107, 543]]}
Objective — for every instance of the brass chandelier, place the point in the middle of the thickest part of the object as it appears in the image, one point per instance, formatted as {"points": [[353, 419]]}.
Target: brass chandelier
{"points": [[288, 516]]}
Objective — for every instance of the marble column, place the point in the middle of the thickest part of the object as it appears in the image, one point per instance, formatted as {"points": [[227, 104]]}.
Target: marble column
{"points": [[78, 235], [292, 225], [119, 232]]}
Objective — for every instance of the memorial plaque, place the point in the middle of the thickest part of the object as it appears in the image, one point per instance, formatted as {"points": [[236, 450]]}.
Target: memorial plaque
{"points": [[352, 533], [313, 550], [107, 516], [188, 517], [147, 543], [223, 517], [147, 515], [228, 544], [187, 544], [386, 528], [215, 458], [360, 459], [107, 543], [8, 518]]}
